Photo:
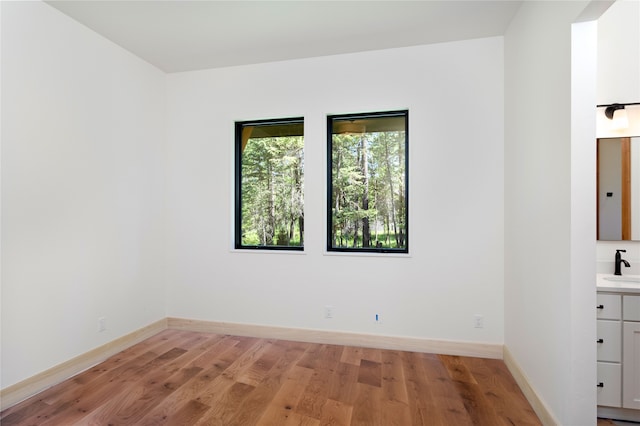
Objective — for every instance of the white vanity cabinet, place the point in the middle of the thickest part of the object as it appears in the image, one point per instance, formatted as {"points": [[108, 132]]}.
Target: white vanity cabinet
{"points": [[609, 341], [631, 351], [618, 340]]}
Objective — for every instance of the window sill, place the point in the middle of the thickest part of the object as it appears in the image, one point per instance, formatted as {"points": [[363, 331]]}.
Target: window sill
{"points": [[366, 254], [262, 251]]}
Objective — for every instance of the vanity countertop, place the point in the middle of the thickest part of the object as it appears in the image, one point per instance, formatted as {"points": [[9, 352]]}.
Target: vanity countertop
{"points": [[617, 284]]}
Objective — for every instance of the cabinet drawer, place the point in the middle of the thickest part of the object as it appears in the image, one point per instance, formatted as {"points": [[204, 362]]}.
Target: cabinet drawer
{"points": [[610, 332], [609, 393], [631, 308], [609, 306]]}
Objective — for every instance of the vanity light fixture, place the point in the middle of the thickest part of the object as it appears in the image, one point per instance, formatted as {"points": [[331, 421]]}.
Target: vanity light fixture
{"points": [[617, 114]]}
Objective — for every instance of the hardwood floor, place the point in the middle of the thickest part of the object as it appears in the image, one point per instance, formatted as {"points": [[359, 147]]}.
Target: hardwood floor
{"points": [[609, 422], [192, 378]]}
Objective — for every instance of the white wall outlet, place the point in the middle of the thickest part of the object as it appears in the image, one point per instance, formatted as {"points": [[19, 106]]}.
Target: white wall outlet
{"points": [[102, 324], [377, 318], [329, 311], [478, 321]]}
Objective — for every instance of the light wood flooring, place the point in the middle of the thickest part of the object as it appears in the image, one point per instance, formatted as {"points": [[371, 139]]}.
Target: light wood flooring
{"points": [[191, 378], [609, 422]]}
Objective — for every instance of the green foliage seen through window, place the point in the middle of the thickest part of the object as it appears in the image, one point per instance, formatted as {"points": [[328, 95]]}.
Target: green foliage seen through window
{"points": [[367, 201], [269, 184]]}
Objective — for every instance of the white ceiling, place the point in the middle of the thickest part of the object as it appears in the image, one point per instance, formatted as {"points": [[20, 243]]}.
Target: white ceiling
{"points": [[189, 35]]}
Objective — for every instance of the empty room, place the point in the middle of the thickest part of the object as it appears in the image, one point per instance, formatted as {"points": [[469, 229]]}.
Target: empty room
{"points": [[319, 212]]}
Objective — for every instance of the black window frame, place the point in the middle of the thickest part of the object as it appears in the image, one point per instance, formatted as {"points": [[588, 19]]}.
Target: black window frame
{"points": [[329, 208], [239, 125]]}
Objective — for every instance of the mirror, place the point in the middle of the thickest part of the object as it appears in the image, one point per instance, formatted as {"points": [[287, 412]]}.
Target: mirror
{"points": [[618, 189]]}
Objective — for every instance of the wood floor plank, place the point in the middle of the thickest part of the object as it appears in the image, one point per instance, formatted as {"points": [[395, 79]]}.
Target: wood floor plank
{"points": [[448, 404], [224, 408], [314, 396], [394, 413], [188, 414], [476, 405], [499, 389], [256, 373], [286, 399], [343, 383], [231, 362], [104, 386], [69, 388], [88, 402], [441, 404], [351, 355], [296, 419], [393, 380], [316, 392], [371, 354], [152, 392], [370, 373], [212, 367], [328, 357], [24, 412], [257, 402], [180, 377], [336, 413], [457, 369], [310, 356], [244, 362], [158, 343], [423, 407], [367, 409]]}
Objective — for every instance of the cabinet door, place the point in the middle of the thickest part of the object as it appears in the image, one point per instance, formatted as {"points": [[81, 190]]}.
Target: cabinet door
{"points": [[631, 307], [631, 363], [610, 333], [608, 306], [609, 384]]}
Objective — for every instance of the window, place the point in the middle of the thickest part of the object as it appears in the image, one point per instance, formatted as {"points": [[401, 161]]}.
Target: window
{"points": [[367, 196], [269, 170]]}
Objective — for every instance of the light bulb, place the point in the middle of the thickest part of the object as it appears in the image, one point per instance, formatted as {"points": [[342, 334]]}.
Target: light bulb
{"points": [[620, 119]]}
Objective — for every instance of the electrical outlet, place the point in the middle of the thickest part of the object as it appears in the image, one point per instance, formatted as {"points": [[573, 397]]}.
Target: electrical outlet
{"points": [[378, 318], [102, 324], [329, 311], [478, 321]]}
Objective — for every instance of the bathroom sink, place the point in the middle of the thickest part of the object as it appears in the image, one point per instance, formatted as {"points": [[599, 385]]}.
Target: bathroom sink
{"points": [[623, 278]]}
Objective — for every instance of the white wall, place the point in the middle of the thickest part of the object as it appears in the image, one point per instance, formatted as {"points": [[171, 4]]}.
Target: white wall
{"points": [[619, 65], [619, 81], [82, 190], [454, 93], [619, 53], [549, 205]]}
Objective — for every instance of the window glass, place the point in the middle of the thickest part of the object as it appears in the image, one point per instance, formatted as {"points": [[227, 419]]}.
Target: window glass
{"points": [[269, 168], [367, 182]]}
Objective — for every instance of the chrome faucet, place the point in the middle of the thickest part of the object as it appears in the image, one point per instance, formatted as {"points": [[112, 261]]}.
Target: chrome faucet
{"points": [[620, 260]]}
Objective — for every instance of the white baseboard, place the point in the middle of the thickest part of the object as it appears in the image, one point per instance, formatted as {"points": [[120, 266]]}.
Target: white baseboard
{"points": [[538, 405], [445, 347], [13, 394]]}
